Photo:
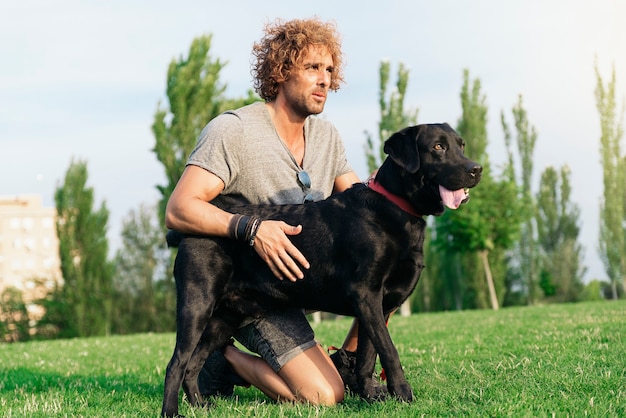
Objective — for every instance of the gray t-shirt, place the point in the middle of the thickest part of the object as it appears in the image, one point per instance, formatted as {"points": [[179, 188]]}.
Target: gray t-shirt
{"points": [[243, 149]]}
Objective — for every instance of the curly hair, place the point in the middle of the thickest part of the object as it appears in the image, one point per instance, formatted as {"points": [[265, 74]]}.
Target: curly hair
{"points": [[283, 47]]}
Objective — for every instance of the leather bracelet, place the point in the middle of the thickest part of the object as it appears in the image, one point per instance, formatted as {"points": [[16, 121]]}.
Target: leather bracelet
{"points": [[256, 222], [234, 225], [244, 228]]}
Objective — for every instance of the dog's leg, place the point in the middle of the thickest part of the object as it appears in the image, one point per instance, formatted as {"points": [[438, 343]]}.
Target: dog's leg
{"points": [[215, 335], [190, 381], [197, 292], [187, 338], [372, 319], [365, 363]]}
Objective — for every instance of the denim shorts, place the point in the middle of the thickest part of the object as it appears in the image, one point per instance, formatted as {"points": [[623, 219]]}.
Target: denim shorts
{"points": [[278, 337]]}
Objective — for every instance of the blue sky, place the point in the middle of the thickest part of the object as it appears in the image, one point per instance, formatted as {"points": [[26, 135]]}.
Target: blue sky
{"points": [[82, 79]]}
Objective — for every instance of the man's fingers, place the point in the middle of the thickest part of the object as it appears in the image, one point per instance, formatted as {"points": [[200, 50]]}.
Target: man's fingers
{"points": [[292, 230], [275, 271], [283, 267], [294, 253], [282, 257]]}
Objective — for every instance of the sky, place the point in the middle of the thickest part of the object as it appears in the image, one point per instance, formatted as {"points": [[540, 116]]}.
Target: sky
{"points": [[81, 80]]}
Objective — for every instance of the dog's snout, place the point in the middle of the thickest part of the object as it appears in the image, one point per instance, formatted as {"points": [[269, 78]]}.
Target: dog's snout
{"points": [[474, 169]]}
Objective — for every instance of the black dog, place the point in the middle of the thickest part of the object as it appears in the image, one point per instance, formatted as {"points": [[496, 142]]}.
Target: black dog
{"points": [[365, 250]]}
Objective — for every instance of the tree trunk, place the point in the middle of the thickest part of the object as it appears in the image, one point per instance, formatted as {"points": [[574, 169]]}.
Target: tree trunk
{"points": [[458, 297], [492, 289], [317, 317], [614, 289], [405, 308]]}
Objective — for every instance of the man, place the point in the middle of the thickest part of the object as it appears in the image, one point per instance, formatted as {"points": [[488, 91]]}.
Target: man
{"points": [[274, 152]]}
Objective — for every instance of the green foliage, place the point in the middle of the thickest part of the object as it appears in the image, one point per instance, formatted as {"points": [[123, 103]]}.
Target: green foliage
{"points": [[613, 206], [554, 360], [81, 306], [14, 322], [557, 218], [592, 291], [139, 305], [525, 257], [472, 125], [393, 116], [195, 96]]}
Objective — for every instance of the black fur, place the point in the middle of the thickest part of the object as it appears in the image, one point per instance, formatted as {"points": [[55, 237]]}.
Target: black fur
{"points": [[365, 254]]}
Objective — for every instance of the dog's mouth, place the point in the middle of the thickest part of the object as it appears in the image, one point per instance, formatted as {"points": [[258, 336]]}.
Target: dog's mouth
{"points": [[453, 198]]}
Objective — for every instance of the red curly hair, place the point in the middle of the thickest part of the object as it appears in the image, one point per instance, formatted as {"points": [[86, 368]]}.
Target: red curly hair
{"points": [[283, 47]]}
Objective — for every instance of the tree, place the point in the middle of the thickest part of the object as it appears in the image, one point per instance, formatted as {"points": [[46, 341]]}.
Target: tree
{"points": [[81, 306], [139, 264], [613, 206], [484, 228], [14, 320], [561, 269], [526, 247], [393, 117], [195, 96]]}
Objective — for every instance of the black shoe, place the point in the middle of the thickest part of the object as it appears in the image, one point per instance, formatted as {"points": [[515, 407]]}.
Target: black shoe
{"points": [[345, 362], [217, 377]]}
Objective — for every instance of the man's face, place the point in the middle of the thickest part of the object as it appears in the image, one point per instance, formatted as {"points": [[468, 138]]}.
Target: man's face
{"points": [[307, 88]]}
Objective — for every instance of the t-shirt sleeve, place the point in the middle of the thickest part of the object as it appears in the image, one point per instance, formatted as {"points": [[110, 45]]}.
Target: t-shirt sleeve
{"points": [[215, 149]]}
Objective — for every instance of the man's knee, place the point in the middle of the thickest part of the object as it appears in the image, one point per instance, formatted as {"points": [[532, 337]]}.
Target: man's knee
{"points": [[326, 393]]}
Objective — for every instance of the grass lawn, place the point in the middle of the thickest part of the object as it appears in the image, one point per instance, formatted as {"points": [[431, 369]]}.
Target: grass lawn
{"points": [[556, 360]]}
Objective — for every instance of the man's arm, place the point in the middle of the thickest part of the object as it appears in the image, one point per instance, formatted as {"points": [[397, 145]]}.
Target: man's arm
{"points": [[189, 211], [345, 181]]}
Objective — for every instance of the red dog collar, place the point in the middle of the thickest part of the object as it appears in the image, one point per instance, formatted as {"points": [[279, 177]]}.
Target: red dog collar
{"points": [[401, 202]]}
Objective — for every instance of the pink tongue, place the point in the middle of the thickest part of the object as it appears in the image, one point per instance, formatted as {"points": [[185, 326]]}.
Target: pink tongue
{"points": [[452, 199]]}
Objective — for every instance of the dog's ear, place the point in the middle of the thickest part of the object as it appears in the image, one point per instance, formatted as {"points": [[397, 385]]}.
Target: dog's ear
{"points": [[402, 148]]}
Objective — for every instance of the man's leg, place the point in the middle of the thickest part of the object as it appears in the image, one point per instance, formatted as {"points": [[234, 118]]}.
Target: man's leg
{"points": [[255, 370], [292, 366]]}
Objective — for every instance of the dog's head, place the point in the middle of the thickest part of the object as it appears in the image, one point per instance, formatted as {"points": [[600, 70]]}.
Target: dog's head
{"points": [[426, 166]]}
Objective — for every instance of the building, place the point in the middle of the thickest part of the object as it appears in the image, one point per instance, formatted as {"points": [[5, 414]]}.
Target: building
{"points": [[29, 246]]}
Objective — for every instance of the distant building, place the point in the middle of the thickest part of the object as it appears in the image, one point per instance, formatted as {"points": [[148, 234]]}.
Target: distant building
{"points": [[29, 247]]}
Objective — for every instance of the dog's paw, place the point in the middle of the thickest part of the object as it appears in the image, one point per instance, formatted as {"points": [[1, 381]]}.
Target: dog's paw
{"points": [[374, 392], [403, 392]]}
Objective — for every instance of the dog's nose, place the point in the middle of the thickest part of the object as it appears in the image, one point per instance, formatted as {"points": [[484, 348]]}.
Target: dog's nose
{"points": [[474, 169]]}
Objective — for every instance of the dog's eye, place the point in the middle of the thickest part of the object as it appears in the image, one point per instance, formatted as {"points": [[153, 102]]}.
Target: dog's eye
{"points": [[438, 147]]}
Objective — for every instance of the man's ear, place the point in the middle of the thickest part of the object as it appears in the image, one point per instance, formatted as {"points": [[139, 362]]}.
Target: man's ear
{"points": [[402, 148]]}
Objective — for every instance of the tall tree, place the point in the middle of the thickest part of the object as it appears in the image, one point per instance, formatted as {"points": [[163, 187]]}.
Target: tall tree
{"points": [[483, 229], [84, 298], [195, 96], [561, 268], [613, 206], [393, 117], [526, 247], [139, 264]]}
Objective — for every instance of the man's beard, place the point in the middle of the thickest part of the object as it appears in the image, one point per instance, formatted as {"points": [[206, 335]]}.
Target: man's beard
{"points": [[301, 106]]}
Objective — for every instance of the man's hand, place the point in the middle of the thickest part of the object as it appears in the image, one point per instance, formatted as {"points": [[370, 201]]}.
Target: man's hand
{"points": [[273, 246]]}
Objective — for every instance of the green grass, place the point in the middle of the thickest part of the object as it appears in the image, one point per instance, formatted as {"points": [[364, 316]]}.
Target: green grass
{"points": [[557, 360]]}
